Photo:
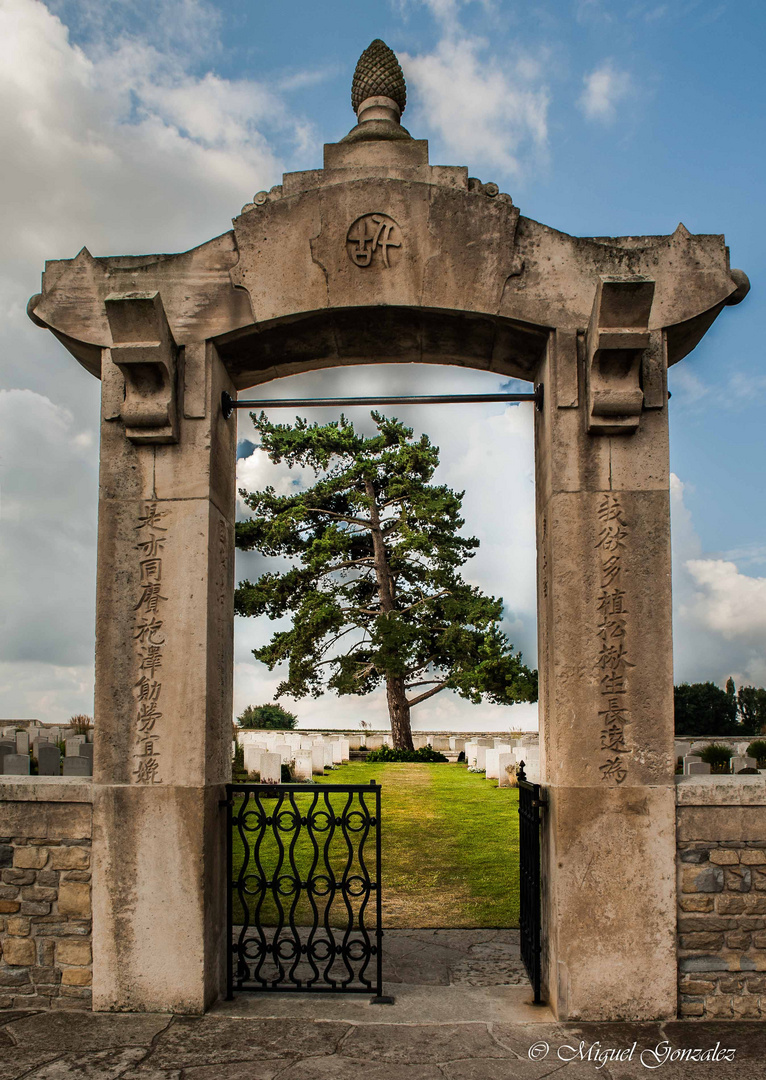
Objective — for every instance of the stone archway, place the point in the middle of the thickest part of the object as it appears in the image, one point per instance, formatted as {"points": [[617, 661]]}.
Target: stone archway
{"points": [[381, 256]]}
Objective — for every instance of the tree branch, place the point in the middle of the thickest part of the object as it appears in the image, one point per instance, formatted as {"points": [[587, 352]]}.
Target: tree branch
{"points": [[340, 517], [424, 599], [427, 694]]}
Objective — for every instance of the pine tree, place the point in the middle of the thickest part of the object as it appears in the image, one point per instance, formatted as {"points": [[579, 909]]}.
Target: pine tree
{"points": [[374, 592]]}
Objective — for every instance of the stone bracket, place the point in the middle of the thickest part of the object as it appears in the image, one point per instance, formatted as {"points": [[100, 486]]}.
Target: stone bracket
{"points": [[145, 352], [617, 340]]}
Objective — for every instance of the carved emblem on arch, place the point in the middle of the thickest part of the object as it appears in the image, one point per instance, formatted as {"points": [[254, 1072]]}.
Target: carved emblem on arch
{"points": [[374, 239]]}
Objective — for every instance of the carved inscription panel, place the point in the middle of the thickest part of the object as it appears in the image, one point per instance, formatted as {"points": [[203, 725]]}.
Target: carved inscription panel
{"points": [[153, 536], [613, 665]]}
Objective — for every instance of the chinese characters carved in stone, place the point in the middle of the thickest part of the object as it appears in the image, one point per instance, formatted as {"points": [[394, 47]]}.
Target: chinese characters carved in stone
{"points": [[147, 633], [369, 239], [613, 664]]}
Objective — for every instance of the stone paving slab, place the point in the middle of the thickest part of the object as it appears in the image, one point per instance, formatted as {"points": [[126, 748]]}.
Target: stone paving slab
{"points": [[453, 958], [429, 1004], [83, 1046]]}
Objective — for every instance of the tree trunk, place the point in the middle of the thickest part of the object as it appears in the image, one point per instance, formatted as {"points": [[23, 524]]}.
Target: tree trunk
{"points": [[399, 713], [398, 706]]}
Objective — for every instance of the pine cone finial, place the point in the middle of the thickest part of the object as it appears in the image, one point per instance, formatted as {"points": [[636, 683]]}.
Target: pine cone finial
{"points": [[378, 74]]}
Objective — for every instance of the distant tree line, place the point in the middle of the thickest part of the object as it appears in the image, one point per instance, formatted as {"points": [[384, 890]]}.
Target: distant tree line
{"points": [[705, 709]]}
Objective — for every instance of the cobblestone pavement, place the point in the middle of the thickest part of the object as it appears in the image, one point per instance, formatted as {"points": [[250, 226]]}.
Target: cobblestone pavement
{"points": [[84, 1046]]}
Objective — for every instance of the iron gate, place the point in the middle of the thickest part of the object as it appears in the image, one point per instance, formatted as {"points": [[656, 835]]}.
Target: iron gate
{"points": [[531, 808], [304, 899]]}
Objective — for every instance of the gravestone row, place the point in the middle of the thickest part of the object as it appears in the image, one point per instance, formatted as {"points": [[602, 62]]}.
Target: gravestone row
{"points": [[17, 755]]}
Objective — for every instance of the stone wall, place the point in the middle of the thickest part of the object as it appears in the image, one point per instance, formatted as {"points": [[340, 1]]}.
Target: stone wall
{"points": [[45, 914], [721, 862]]}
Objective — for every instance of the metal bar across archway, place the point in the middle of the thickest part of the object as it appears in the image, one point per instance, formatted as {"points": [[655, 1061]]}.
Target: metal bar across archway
{"points": [[228, 404]]}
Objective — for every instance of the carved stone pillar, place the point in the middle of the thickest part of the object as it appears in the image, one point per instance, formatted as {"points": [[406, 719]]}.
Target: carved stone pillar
{"points": [[606, 668], [163, 667]]}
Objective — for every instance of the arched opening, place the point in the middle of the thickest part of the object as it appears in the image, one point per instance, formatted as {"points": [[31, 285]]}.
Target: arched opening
{"points": [[450, 906]]}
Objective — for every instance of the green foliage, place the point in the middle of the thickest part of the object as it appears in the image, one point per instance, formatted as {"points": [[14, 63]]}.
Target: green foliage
{"points": [[757, 750], [704, 709], [270, 717], [374, 592], [424, 754], [717, 755], [751, 706]]}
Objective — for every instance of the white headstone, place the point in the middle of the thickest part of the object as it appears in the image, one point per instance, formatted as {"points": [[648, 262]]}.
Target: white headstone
{"points": [[336, 747], [284, 750], [251, 756], [73, 745], [491, 762], [506, 764], [440, 743], [317, 759], [303, 765], [22, 742], [698, 768], [271, 768], [374, 742], [481, 757], [532, 763], [740, 762], [458, 745]]}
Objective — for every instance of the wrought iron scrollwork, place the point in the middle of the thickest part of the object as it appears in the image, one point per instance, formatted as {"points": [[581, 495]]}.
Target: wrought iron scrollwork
{"points": [[304, 895]]}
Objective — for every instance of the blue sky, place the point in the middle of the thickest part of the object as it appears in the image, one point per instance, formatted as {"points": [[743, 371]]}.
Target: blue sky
{"points": [[134, 126]]}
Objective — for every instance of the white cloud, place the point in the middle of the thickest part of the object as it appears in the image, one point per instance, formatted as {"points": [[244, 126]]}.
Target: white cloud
{"points": [[719, 611], [491, 113], [125, 143], [728, 601], [605, 88]]}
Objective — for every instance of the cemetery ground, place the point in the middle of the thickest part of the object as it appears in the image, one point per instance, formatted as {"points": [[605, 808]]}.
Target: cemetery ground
{"points": [[450, 846]]}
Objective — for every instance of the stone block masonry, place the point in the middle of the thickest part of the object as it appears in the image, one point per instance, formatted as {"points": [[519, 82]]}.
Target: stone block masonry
{"points": [[45, 908], [721, 864]]}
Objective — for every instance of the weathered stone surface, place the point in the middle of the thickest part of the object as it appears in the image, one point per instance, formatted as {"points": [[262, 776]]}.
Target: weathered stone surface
{"points": [[738, 878], [347, 1068], [80, 1032], [73, 951], [710, 879], [731, 905], [22, 1060], [422, 1043], [240, 1070], [696, 903], [76, 977], [214, 1040], [74, 899], [19, 951], [30, 858], [724, 857]]}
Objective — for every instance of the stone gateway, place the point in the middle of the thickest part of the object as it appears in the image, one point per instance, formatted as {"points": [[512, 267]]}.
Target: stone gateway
{"points": [[380, 256]]}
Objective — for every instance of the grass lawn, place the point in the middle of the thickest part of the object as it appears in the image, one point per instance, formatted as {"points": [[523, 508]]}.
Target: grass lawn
{"points": [[450, 843]]}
